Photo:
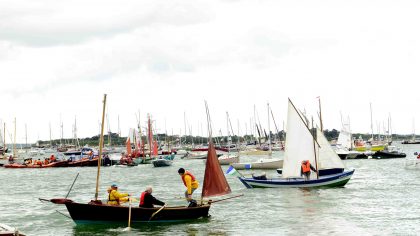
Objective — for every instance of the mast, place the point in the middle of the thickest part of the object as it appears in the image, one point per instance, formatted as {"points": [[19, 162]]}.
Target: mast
{"points": [[228, 133], [4, 138], [269, 132], [14, 141], [26, 139], [371, 120], [119, 129], [101, 142], [314, 140], [320, 114], [50, 135]]}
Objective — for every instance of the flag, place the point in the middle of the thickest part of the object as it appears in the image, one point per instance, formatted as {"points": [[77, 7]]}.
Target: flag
{"points": [[232, 171]]}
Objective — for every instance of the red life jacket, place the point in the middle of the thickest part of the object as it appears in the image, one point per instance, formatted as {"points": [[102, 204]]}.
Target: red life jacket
{"points": [[306, 167], [142, 196], [187, 173]]}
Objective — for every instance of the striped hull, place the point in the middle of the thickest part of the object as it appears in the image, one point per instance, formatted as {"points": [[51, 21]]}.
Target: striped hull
{"points": [[336, 180]]}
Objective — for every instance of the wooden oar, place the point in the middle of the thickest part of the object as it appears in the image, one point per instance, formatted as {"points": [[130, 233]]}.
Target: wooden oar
{"points": [[129, 214], [211, 201], [157, 212]]}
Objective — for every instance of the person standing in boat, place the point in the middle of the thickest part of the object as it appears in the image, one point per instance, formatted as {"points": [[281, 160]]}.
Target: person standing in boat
{"points": [[147, 200], [115, 197], [191, 183], [305, 169]]}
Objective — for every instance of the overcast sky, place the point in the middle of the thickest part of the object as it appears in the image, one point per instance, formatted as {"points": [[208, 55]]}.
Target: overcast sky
{"points": [[58, 58]]}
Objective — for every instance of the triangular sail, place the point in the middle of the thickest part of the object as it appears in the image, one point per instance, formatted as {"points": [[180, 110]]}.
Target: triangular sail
{"points": [[215, 183], [344, 138], [327, 158], [128, 146], [299, 144]]}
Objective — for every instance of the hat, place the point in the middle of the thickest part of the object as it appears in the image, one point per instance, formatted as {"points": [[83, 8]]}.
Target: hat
{"points": [[114, 186]]}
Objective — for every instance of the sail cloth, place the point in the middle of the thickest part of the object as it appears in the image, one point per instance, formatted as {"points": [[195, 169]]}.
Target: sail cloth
{"points": [[215, 183], [128, 146], [344, 138], [327, 157], [299, 144]]}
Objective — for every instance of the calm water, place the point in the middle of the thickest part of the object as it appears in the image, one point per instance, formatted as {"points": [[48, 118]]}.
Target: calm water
{"points": [[382, 198]]}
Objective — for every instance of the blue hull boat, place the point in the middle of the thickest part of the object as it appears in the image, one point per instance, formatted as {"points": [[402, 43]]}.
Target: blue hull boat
{"points": [[334, 180]]}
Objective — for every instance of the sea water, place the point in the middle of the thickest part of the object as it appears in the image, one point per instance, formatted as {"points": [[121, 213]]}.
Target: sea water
{"points": [[382, 198]]}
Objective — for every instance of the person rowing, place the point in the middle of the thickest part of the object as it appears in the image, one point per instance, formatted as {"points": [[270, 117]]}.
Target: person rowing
{"points": [[115, 197]]}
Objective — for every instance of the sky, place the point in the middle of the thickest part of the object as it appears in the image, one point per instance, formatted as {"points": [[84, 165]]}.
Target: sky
{"points": [[58, 59]]}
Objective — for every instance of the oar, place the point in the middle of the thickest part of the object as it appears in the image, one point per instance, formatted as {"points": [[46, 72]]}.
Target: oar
{"points": [[211, 201], [129, 214], [157, 212]]}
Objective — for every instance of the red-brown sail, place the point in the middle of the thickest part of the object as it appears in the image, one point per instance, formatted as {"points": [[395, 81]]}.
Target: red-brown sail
{"points": [[128, 146], [215, 183]]}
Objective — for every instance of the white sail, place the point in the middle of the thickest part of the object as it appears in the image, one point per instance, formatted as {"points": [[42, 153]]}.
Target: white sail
{"points": [[344, 138], [327, 158], [299, 144]]}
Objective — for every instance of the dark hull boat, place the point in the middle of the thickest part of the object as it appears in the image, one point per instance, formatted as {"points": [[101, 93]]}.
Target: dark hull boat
{"points": [[161, 162], [95, 212], [388, 154]]}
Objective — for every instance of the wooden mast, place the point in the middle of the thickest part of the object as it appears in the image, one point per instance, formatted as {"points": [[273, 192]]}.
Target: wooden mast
{"points": [[101, 142], [4, 139], [14, 142]]}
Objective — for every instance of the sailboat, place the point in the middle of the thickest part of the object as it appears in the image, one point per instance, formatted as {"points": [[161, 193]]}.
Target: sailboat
{"points": [[215, 184], [263, 163], [304, 144]]}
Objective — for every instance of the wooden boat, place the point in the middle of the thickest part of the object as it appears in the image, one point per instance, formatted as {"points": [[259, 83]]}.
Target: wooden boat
{"points": [[50, 165], [261, 164], [303, 143], [214, 184], [96, 212], [6, 230], [227, 159]]}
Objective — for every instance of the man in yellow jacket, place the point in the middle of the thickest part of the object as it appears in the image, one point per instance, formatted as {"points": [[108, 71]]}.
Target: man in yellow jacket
{"points": [[191, 183], [115, 197]]}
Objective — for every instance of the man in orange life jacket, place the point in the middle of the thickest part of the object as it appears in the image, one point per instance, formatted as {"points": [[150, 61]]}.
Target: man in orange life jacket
{"points": [[305, 169], [147, 200], [191, 183]]}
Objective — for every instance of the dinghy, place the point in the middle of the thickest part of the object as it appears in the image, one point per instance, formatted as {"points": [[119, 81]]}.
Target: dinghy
{"points": [[303, 143]]}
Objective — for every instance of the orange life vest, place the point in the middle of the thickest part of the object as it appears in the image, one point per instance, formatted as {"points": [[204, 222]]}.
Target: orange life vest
{"points": [[306, 167], [142, 196], [187, 173]]}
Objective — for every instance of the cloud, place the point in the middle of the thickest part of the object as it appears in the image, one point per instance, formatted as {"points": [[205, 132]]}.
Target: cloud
{"points": [[51, 23]]}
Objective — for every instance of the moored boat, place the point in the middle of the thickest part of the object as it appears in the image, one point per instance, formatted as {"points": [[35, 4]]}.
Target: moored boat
{"points": [[269, 163]]}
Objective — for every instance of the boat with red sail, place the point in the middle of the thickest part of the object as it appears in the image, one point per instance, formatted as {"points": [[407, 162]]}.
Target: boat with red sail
{"points": [[214, 184]]}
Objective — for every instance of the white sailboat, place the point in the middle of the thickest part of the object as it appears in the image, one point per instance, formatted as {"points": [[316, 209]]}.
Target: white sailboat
{"points": [[302, 145]]}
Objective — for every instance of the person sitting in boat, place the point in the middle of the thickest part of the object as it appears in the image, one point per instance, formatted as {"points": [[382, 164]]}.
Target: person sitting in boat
{"points": [[46, 162], [38, 162], [52, 158], [191, 183], [147, 200], [306, 168], [28, 161], [11, 160], [115, 197]]}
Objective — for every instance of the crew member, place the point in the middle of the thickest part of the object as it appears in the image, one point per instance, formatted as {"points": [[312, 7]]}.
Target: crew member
{"points": [[306, 168], [115, 197], [147, 200], [191, 183]]}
